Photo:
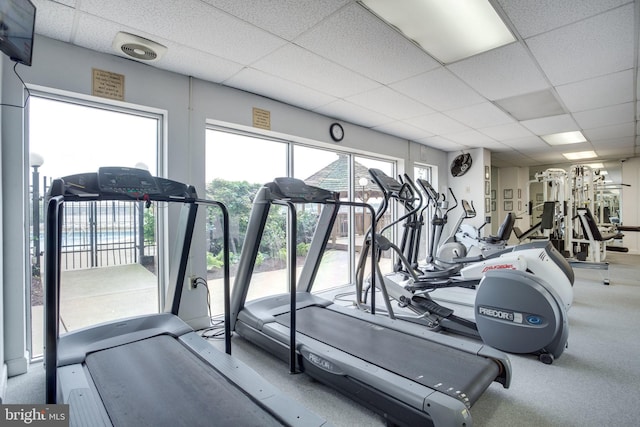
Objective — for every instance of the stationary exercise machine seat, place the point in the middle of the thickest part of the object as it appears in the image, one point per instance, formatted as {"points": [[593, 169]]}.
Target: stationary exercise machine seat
{"points": [[504, 231], [588, 222]]}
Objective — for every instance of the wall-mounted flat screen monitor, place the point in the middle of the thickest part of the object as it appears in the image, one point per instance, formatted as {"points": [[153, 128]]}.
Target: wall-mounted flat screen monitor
{"points": [[17, 23]]}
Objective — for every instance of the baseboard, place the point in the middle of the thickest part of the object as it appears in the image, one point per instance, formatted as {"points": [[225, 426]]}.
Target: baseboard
{"points": [[17, 366]]}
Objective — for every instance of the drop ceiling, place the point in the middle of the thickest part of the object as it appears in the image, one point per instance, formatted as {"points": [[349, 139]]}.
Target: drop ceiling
{"points": [[334, 57]]}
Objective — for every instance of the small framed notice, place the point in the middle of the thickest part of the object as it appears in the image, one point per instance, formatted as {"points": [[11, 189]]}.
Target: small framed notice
{"points": [[261, 118], [107, 84]]}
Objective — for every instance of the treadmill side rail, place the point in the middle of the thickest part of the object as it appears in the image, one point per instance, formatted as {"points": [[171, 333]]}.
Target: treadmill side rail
{"points": [[279, 405]]}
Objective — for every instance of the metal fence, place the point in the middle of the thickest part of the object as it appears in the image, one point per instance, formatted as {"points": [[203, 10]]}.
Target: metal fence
{"points": [[100, 234], [97, 234]]}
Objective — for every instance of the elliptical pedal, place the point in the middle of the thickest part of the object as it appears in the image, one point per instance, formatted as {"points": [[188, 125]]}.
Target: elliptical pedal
{"points": [[431, 306]]}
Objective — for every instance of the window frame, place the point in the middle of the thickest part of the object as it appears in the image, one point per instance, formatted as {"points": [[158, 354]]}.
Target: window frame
{"points": [[161, 117]]}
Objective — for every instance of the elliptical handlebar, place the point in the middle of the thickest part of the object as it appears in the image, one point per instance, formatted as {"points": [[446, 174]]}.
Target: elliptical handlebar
{"points": [[392, 188], [455, 200]]}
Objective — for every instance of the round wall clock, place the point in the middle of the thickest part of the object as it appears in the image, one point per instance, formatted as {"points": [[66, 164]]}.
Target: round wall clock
{"points": [[336, 131]]}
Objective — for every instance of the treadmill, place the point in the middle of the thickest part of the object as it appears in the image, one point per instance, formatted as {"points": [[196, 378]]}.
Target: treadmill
{"points": [[408, 374], [151, 370]]}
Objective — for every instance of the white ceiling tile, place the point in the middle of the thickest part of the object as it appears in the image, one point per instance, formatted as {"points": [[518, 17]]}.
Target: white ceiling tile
{"points": [[480, 115], [439, 89], [350, 36], [390, 103], [528, 142], [286, 18], [501, 73], [546, 157], [191, 23], [499, 148], [510, 158], [198, 64], [54, 20], [532, 105], [549, 125], [441, 143], [403, 130], [610, 132], [586, 49], [471, 138], [611, 115], [274, 87], [617, 152], [507, 132], [437, 124], [627, 141], [539, 16], [601, 91], [303, 67], [353, 113], [98, 34]]}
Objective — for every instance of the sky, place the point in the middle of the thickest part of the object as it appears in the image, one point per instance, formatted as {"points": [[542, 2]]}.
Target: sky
{"points": [[58, 133]]}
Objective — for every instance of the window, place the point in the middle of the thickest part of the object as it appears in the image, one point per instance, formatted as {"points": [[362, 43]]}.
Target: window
{"points": [[259, 160], [101, 241], [237, 166], [328, 170]]}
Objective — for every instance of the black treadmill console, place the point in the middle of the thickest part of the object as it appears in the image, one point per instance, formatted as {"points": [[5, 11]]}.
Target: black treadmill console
{"points": [[297, 191], [127, 181], [111, 183]]}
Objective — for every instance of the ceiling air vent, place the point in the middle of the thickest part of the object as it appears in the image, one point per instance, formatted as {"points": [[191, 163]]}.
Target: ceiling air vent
{"points": [[138, 47]]}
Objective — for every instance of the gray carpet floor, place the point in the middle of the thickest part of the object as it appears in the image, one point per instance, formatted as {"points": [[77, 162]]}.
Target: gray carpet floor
{"points": [[594, 383]]}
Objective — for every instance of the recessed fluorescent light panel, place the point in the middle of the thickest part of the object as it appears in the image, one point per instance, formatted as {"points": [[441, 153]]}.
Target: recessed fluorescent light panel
{"points": [[595, 165], [580, 155], [563, 138], [449, 30]]}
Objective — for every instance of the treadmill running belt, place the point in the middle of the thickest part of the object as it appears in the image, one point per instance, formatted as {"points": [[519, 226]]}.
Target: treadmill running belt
{"points": [[454, 372], [158, 382]]}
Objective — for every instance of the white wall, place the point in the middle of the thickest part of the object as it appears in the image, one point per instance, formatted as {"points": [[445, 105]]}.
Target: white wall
{"points": [[13, 224], [469, 186], [188, 104], [630, 201]]}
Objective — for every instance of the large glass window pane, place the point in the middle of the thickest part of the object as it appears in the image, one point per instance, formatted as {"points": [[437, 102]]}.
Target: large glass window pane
{"points": [[101, 241], [367, 191], [328, 170], [236, 167]]}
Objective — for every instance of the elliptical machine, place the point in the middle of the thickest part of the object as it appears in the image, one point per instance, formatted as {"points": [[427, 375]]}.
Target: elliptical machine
{"points": [[440, 256], [514, 309]]}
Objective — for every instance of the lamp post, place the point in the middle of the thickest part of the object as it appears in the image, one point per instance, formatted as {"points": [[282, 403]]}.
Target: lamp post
{"points": [[35, 161], [363, 183]]}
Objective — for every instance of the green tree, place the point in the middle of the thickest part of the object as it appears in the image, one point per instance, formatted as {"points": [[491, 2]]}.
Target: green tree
{"points": [[237, 196], [149, 225]]}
